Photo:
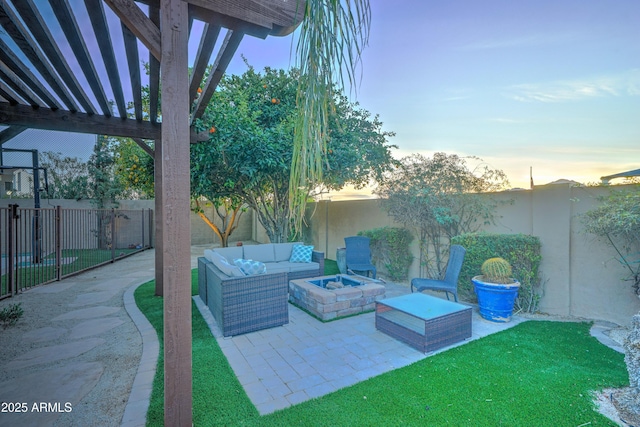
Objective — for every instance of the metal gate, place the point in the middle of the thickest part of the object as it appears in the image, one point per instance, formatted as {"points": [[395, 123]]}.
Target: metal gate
{"points": [[39, 246]]}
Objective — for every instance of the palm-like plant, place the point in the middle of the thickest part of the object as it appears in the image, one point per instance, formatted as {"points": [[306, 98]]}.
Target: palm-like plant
{"points": [[332, 37]]}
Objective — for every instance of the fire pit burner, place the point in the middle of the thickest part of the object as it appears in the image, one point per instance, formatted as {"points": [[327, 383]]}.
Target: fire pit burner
{"points": [[336, 282]]}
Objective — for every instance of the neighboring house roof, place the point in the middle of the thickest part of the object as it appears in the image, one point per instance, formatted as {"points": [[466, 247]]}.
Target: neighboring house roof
{"points": [[564, 181], [628, 174]]}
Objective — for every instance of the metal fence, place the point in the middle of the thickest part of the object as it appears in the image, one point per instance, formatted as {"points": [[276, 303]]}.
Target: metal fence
{"points": [[39, 246]]}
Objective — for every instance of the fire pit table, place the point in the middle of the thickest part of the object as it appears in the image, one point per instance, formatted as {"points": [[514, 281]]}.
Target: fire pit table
{"points": [[424, 322], [331, 297]]}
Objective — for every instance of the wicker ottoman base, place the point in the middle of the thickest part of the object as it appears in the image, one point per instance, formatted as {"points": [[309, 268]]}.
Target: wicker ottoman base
{"points": [[425, 323]]}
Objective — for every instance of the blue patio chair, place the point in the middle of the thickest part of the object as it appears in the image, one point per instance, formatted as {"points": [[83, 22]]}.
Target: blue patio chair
{"points": [[358, 255], [450, 282]]}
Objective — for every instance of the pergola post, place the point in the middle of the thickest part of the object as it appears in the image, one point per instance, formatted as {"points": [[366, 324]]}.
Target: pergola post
{"points": [[157, 176], [175, 217]]}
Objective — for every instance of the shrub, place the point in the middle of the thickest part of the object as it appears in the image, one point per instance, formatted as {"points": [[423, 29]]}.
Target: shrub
{"points": [[10, 315], [390, 248], [520, 250], [617, 221]]}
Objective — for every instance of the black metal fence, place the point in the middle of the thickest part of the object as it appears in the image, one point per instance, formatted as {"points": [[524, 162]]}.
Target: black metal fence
{"points": [[39, 246]]}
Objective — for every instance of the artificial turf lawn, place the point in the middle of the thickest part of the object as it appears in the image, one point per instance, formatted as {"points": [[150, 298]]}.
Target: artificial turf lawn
{"points": [[538, 373]]}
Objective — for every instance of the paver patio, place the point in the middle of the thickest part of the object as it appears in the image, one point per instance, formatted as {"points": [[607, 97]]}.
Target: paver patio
{"points": [[307, 358]]}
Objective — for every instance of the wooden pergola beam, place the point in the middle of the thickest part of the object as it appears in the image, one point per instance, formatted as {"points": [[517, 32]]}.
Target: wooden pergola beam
{"points": [[65, 121], [28, 80], [227, 50], [37, 26], [10, 133], [17, 87], [154, 71], [14, 27], [63, 11], [134, 18], [103, 37], [205, 48], [133, 59], [145, 147]]}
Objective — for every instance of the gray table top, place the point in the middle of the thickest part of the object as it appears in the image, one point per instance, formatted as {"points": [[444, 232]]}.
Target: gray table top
{"points": [[423, 306]]}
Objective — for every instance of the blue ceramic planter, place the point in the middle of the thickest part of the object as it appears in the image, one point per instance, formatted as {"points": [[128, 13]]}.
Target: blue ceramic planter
{"points": [[495, 301]]}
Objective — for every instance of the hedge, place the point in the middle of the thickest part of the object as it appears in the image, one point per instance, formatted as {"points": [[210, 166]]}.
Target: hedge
{"points": [[521, 250], [390, 249]]}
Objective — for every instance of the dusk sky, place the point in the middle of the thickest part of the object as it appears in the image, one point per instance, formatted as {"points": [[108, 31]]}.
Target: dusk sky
{"points": [[552, 85], [548, 84]]}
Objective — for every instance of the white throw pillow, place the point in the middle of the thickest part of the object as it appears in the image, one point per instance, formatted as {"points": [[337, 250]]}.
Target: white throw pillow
{"points": [[250, 267]]}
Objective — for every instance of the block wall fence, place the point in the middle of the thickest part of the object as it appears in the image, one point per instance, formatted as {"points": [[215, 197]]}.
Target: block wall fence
{"points": [[581, 277]]}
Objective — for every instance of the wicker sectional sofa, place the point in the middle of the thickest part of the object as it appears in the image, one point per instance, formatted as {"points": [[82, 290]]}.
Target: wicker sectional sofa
{"points": [[246, 303]]}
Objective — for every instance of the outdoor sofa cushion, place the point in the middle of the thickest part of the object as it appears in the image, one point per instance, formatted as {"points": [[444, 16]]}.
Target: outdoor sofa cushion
{"points": [[223, 265], [279, 254], [301, 253], [250, 267], [263, 253]]}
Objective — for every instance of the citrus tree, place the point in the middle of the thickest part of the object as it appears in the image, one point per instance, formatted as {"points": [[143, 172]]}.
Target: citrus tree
{"points": [[439, 198], [251, 121], [134, 169]]}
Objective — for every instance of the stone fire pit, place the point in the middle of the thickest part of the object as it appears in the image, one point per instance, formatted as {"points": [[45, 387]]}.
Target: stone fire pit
{"points": [[331, 297]]}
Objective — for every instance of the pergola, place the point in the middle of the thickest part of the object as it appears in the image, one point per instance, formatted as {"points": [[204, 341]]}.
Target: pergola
{"points": [[50, 79]]}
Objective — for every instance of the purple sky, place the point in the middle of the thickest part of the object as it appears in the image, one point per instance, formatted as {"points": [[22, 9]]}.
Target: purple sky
{"points": [[548, 84]]}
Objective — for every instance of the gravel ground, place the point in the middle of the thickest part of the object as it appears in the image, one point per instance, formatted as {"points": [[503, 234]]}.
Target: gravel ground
{"points": [[88, 359]]}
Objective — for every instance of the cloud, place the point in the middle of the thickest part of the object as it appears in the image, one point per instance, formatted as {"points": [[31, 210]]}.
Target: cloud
{"points": [[625, 84], [523, 41], [506, 120]]}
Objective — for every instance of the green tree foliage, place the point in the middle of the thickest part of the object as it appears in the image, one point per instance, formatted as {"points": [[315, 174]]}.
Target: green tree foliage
{"points": [[390, 249], [105, 187], [249, 155], [617, 221], [134, 169], [438, 198], [215, 184], [68, 177]]}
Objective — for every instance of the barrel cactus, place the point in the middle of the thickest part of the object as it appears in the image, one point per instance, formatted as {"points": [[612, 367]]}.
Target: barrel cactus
{"points": [[496, 270]]}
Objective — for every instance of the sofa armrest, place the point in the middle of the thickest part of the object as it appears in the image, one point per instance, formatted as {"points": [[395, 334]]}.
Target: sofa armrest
{"points": [[317, 256], [249, 303], [202, 278]]}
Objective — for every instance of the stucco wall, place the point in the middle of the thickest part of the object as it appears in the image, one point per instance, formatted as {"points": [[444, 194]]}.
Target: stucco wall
{"points": [[580, 276]]}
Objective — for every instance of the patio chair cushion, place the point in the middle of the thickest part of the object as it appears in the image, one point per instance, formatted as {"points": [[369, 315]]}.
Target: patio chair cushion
{"points": [[223, 265], [301, 253], [250, 267]]}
